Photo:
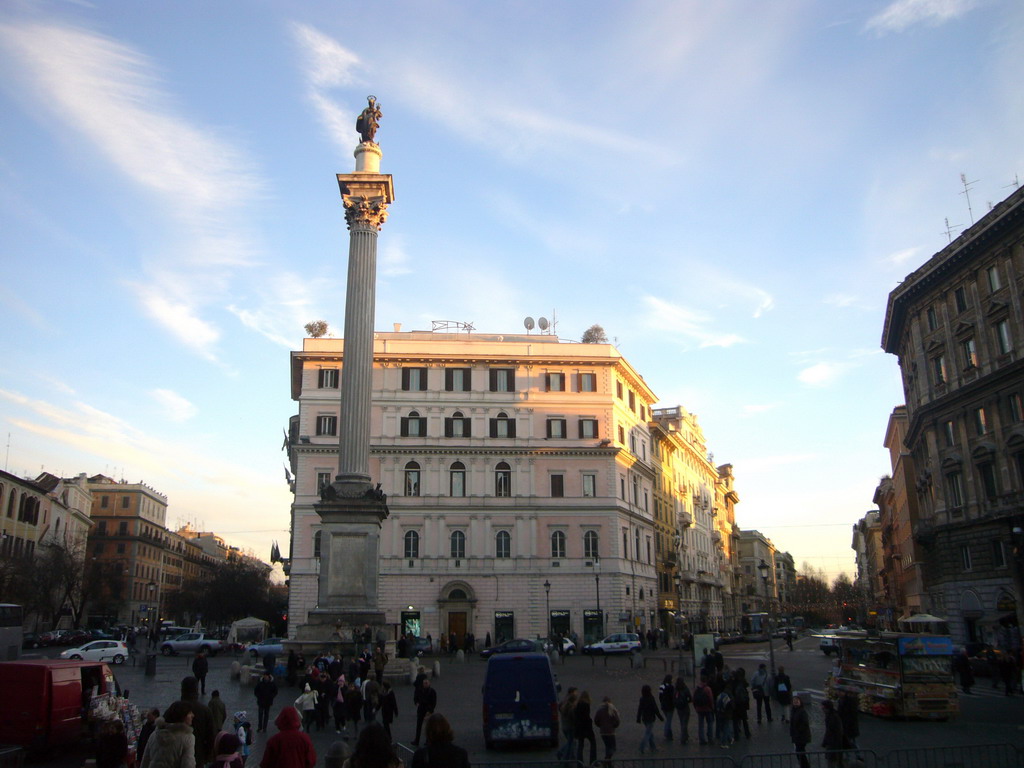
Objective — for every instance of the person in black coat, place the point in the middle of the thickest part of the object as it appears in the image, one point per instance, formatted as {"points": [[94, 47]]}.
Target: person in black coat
{"points": [[426, 703], [440, 750], [848, 715], [962, 666], [145, 732], [800, 731], [584, 728], [782, 688], [388, 707], [833, 739], [200, 668], [266, 692]]}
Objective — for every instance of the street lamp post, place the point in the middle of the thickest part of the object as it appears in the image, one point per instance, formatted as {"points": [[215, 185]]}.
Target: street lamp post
{"points": [[763, 567], [547, 602]]}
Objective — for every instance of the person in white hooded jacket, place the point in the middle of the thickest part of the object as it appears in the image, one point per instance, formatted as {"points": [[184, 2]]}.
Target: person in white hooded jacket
{"points": [[172, 745]]}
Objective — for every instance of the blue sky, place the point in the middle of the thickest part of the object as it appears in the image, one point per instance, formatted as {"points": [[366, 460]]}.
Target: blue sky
{"points": [[731, 189]]}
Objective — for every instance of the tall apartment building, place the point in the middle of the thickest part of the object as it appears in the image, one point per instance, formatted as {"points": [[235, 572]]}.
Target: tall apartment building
{"points": [[758, 595], [521, 480], [957, 327], [45, 510]]}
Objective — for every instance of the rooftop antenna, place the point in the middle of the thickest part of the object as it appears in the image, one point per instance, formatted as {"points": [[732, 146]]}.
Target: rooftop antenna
{"points": [[1015, 183], [554, 323], [7, 457], [949, 229], [967, 193], [528, 324]]}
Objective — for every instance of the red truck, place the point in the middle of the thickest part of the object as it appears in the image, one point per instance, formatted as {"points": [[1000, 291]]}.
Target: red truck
{"points": [[46, 701]]}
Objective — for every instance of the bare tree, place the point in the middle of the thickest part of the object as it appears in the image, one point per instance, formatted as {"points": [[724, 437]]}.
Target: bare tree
{"points": [[594, 335], [316, 329]]}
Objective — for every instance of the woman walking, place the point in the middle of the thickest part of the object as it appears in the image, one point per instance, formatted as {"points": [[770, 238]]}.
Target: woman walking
{"points": [[584, 728], [783, 691], [667, 699], [740, 703], [647, 712], [760, 691], [306, 704], [567, 713], [607, 720], [682, 707], [800, 731]]}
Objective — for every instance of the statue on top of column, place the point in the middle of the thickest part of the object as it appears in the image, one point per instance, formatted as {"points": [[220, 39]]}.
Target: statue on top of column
{"points": [[369, 120]]}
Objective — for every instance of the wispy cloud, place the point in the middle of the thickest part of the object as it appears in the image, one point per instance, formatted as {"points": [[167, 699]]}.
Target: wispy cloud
{"points": [[174, 406], [328, 65], [394, 259], [824, 374], [902, 257], [284, 305], [107, 92], [902, 14], [688, 323]]}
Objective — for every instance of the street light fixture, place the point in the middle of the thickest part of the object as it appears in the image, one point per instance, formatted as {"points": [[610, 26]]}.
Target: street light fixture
{"points": [[547, 601], [763, 567]]}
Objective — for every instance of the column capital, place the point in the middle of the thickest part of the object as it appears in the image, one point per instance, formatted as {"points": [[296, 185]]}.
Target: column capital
{"points": [[366, 197]]}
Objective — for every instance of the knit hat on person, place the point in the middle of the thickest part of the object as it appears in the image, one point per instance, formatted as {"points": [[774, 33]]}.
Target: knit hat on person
{"points": [[240, 716]]}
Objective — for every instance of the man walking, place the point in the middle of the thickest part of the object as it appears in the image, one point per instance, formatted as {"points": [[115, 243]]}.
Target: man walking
{"points": [[266, 692], [200, 668], [426, 703], [704, 706]]}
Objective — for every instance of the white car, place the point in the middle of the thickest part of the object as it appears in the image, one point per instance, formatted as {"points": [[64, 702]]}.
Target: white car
{"points": [[568, 646], [623, 642], [98, 650]]}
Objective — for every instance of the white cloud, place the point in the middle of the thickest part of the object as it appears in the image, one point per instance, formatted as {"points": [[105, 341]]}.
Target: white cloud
{"points": [[900, 258], [107, 93], [686, 322], [175, 407], [285, 304], [902, 14], [823, 374], [394, 260]]}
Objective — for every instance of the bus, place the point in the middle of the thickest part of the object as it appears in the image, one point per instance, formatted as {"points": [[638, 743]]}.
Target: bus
{"points": [[754, 626], [11, 619], [897, 675]]}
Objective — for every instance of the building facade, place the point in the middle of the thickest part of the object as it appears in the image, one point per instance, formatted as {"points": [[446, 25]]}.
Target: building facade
{"points": [[956, 327], [532, 488]]}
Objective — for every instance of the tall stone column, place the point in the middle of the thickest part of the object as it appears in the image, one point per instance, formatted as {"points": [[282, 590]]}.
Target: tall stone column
{"points": [[351, 509]]}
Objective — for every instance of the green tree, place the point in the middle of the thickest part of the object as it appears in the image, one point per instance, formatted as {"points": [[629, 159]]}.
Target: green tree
{"points": [[316, 329], [232, 590], [594, 335]]}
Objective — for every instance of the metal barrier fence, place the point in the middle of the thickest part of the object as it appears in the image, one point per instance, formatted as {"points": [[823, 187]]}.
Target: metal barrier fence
{"points": [[981, 756], [852, 758]]}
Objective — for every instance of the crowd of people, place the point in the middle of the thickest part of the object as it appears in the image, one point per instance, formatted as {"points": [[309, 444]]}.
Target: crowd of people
{"points": [[720, 702]]}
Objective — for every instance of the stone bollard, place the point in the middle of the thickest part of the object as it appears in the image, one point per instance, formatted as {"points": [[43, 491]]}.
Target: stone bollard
{"points": [[460, 656], [437, 669], [243, 674], [236, 670]]}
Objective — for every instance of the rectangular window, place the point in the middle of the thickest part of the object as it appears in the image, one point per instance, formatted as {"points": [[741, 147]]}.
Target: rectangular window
{"points": [[102, 531], [954, 486], [1002, 329], [503, 426], [412, 482], [413, 425], [960, 297], [970, 353], [622, 436], [933, 321], [587, 382], [457, 379], [998, 554], [122, 529], [503, 379], [987, 473], [104, 502], [323, 479], [414, 379], [588, 428], [965, 557], [125, 501], [949, 431], [457, 482], [557, 485], [980, 421], [556, 428], [120, 548], [618, 389], [622, 487], [939, 369], [632, 400], [328, 378], [1016, 408], [994, 283], [554, 382], [327, 425], [632, 442], [589, 485]]}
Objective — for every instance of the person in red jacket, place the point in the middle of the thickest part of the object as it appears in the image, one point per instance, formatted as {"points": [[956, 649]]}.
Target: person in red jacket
{"points": [[290, 747]]}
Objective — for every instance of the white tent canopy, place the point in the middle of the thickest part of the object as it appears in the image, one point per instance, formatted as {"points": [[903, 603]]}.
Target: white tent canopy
{"points": [[248, 630]]}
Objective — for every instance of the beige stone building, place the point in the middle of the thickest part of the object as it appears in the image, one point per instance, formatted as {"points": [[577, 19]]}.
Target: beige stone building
{"points": [[531, 486]]}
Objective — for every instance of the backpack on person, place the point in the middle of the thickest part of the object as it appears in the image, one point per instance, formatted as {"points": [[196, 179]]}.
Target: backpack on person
{"points": [[683, 698], [702, 697], [247, 726], [723, 703]]}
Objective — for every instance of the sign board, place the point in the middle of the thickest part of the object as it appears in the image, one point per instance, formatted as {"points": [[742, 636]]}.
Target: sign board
{"points": [[702, 645]]}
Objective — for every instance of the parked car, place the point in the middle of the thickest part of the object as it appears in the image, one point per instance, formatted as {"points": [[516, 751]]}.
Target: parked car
{"points": [[828, 644], [271, 645], [101, 634], [29, 640], [984, 659], [568, 646], [47, 639], [518, 645], [191, 642], [75, 637], [623, 642], [98, 650], [419, 645]]}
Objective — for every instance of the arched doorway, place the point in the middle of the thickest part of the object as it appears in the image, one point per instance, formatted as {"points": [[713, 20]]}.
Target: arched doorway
{"points": [[456, 607]]}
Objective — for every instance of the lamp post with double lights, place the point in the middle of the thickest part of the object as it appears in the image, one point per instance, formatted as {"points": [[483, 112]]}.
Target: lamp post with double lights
{"points": [[763, 567], [547, 603]]}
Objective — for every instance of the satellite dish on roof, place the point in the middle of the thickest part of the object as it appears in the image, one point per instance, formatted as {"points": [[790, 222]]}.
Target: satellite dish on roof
{"points": [[528, 323], [542, 323]]}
